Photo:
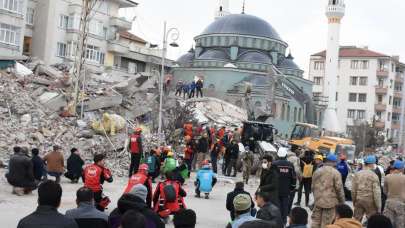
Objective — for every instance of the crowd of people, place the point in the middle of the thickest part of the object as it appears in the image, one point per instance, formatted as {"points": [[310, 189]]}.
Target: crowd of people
{"points": [[378, 195], [189, 90]]}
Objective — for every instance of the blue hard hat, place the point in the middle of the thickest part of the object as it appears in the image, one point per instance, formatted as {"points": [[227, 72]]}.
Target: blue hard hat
{"points": [[370, 159], [331, 157], [398, 164]]}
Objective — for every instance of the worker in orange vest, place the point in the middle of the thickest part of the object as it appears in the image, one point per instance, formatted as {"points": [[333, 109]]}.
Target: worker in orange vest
{"points": [[141, 177], [136, 150]]}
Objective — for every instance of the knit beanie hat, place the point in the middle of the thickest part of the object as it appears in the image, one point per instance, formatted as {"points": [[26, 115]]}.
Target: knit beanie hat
{"points": [[242, 202], [185, 218], [140, 191]]}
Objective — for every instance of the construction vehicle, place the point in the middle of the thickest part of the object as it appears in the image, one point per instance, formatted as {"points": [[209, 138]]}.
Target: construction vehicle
{"points": [[310, 137]]}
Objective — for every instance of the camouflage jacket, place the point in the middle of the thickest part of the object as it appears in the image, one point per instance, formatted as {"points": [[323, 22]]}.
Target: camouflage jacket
{"points": [[366, 186], [327, 187], [248, 159]]}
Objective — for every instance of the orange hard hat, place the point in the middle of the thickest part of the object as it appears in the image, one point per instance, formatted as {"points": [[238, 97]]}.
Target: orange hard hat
{"points": [[138, 129], [143, 167], [205, 162], [187, 138]]}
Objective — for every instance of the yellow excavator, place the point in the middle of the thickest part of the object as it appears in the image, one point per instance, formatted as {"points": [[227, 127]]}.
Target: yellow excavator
{"points": [[310, 137]]}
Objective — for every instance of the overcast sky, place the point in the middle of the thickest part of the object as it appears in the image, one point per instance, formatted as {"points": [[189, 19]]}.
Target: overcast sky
{"points": [[301, 23]]}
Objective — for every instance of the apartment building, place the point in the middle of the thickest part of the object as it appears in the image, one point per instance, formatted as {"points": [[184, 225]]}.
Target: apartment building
{"points": [[49, 30], [369, 88]]}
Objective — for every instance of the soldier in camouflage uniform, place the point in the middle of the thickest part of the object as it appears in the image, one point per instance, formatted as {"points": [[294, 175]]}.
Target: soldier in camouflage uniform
{"points": [[394, 189], [328, 192], [247, 164], [366, 191]]}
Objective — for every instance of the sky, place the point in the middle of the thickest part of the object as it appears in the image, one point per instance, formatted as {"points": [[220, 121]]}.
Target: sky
{"points": [[301, 23]]}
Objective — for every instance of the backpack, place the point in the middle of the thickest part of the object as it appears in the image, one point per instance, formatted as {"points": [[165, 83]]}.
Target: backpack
{"points": [[170, 193], [307, 171], [151, 161]]}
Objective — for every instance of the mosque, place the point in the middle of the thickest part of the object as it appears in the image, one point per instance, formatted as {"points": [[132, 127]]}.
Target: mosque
{"points": [[239, 51]]}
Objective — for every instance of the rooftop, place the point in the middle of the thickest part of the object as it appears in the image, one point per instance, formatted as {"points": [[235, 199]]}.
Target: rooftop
{"points": [[133, 37], [353, 51]]}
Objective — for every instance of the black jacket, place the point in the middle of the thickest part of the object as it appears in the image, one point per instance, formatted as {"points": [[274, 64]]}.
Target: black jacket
{"points": [[38, 167], [75, 165], [21, 171], [232, 151], [269, 182], [46, 217], [202, 145], [229, 201], [271, 213], [131, 202], [287, 177]]}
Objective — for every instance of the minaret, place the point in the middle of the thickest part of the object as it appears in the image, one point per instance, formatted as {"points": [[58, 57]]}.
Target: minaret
{"points": [[334, 12], [223, 9]]}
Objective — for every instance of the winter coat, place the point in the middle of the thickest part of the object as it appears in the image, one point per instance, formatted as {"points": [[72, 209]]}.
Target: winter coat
{"points": [[206, 178], [202, 145], [169, 164], [46, 217], [21, 172], [75, 165], [54, 162], [38, 166], [231, 196], [287, 179], [343, 168], [269, 182], [87, 216], [193, 85], [199, 84], [132, 202], [345, 223], [271, 213], [233, 151], [327, 187]]}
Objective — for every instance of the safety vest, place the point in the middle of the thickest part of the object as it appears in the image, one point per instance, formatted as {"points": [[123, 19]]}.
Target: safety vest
{"points": [[134, 143], [92, 177], [173, 207], [137, 178]]}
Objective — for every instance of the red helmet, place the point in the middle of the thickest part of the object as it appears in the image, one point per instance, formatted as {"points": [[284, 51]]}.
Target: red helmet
{"points": [[143, 167], [205, 162], [138, 129]]}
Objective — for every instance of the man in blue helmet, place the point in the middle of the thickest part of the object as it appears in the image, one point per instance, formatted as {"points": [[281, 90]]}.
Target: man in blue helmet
{"points": [[206, 179]]}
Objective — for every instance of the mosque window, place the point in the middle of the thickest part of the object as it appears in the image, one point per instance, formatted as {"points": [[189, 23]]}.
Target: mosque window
{"points": [[300, 115], [258, 104], [211, 86], [288, 113], [295, 114]]}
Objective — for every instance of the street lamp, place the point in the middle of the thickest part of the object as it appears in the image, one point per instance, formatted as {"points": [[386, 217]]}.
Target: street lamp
{"points": [[174, 32]]}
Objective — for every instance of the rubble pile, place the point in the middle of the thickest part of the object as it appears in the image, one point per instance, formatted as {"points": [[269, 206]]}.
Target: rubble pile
{"points": [[32, 113]]}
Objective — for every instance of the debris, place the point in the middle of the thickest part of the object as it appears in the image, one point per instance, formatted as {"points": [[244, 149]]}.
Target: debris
{"points": [[21, 70], [110, 123]]}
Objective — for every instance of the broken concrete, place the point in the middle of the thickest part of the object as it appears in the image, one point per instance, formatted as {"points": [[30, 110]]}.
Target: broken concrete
{"points": [[49, 71], [101, 102]]}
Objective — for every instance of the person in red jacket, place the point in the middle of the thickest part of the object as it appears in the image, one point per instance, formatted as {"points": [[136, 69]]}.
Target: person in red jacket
{"points": [[169, 196], [136, 149], [94, 176], [188, 129], [141, 177]]}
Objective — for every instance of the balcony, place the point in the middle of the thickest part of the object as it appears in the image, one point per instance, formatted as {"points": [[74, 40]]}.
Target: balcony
{"points": [[121, 23], [397, 94], [379, 124], [396, 109], [381, 89], [117, 47], [382, 73], [380, 107], [399, 78], [320, 100], [395, 124]]}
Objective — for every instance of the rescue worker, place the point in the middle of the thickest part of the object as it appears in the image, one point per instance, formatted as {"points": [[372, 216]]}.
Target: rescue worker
{"points": [[153, 163], [202, 149], [233, 153], [205, 180], [215, 153], [136, 149], [307, 169], [188, 152], [141, 177], [168, 197], [287, 181], [170, 163], [344, 170], [394, 189], [179, 88], [199, 86], [94, 176], [74, 166], [269, 181], [192, 89], [366, 191], [247, 164], [318, 161], [328, 192]]}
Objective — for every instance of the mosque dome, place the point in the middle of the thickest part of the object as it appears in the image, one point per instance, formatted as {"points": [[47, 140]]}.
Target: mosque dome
{"points": [[214, 54], [187, 58], [254, 57], [288, 63], [242, 24]]}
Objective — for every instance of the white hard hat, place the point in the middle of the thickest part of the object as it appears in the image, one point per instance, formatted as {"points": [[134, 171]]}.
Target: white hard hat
{"points": [[282, 152]]}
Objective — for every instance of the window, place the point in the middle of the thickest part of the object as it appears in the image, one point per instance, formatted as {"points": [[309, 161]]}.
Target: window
{"points": [[96, 28], [94, 54], [378, 114], [9, 34], [354, 64], [11, 5], [383, 65], [380, 99], [29, 18], [390, 100], [282, 111], [362, 97], [61, 50], [351, 113], [352, 97], [288, 113], [361, 114], [63, 21], [74, 21], [389, 116], [353, 80], [295, 114], [391, 82], [336, 97], [364, 64], [258, 104], [363, 81], [319, 65], [317, 80], [380, 82]]}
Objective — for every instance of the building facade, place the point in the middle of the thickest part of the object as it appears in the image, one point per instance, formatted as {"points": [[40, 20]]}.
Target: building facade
{"points": [[240, 50], [49, 30], [369, 89]]}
